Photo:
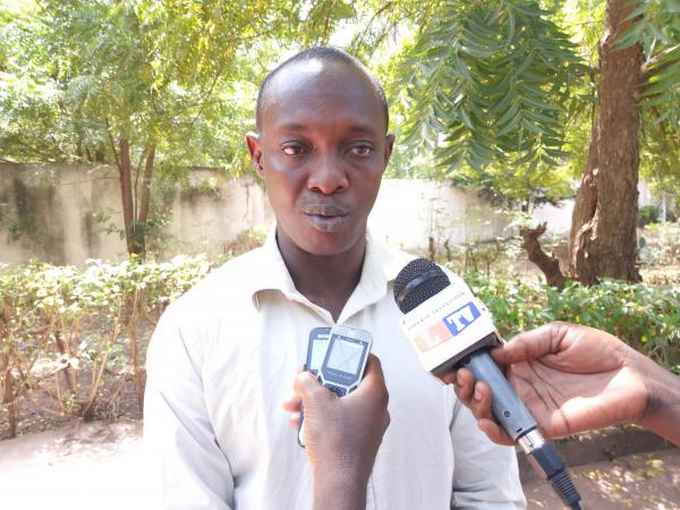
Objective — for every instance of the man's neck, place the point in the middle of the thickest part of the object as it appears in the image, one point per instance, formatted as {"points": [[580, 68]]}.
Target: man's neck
{"points": [[327, 281]]}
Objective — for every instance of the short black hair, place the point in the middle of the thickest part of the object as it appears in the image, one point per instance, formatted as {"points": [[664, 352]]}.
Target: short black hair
{"points": [[325, 54]]}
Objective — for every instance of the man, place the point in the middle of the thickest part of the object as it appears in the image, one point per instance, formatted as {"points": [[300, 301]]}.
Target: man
{"points": [[223, 356]]}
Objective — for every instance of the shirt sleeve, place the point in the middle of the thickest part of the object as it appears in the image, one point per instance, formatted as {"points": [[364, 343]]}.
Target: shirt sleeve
{"points": [[485, 474], [190, 470]]}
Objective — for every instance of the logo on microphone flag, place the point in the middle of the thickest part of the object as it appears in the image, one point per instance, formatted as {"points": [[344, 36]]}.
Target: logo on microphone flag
{"points": [[457, 321], [451, 325]]}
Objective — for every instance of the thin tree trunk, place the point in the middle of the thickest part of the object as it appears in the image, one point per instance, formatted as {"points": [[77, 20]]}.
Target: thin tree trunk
{"points": [[145, 199], [65, 351], [603, 233], [8, 397], [125, 174]]}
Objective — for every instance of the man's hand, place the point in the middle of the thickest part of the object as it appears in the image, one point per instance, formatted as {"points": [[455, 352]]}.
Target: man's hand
{"points": [[572, 379], [342, 435]]}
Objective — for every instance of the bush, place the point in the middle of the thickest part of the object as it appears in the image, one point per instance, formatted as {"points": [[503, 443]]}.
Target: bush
{"points": [[648, 214], [70, 330], [646, 317], [73, 332]]}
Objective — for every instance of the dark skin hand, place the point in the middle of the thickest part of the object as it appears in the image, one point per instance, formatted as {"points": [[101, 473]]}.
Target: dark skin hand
{"points": [[574, 379], [342, 435]]}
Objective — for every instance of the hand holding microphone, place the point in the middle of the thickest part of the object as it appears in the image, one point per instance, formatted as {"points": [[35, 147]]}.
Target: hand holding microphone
{"points": [[449, 329], [575, 378]]}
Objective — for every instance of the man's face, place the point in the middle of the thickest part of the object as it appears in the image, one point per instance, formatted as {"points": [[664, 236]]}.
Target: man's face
{"points": [[322, 151]]}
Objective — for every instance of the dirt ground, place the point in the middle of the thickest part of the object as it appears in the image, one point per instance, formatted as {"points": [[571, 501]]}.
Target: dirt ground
{"points": [[82, 466], [101, 465], [649, 481]]}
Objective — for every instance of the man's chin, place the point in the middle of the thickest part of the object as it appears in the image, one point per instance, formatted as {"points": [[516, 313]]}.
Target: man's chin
{"points": [[328, 244]]}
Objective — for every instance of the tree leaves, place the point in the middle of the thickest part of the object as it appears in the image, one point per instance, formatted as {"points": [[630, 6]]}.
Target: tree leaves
{"points": [[487, 84]]}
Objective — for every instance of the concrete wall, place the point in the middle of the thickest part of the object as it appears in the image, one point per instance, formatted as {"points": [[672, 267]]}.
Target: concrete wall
{"points": [[67, 214], [409, 211], [61, 214]]}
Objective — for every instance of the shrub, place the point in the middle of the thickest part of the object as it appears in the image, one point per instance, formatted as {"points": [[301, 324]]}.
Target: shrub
{"points": [[74, 331], [646, 317], [69, 330], [648, 214]]}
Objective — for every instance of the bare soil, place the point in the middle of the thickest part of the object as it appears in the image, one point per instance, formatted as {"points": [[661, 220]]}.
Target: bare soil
{"points": [[649, 481], [101, 465], [38, 410]]}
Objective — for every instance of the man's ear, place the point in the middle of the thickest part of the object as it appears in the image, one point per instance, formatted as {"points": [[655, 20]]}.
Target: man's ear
{"points": [[389, 145], [253, 142]]}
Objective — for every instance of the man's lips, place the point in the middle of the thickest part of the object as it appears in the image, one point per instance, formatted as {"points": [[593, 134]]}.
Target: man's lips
{"points": [[324, 210], [326, 217]]}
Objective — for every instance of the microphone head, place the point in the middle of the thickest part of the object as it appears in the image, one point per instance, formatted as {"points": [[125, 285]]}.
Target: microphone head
{"points": [[417, 282]]}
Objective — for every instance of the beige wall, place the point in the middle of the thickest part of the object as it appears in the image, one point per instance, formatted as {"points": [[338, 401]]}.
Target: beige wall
{"points": [[60, 213], [56, 209]]}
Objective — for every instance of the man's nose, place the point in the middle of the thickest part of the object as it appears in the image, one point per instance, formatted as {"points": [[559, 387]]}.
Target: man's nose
{"points": [[328, 176]]}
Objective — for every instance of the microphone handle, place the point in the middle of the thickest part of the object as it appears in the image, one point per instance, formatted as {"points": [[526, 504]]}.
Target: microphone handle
{"points": [[507, 408], [516, 420]]}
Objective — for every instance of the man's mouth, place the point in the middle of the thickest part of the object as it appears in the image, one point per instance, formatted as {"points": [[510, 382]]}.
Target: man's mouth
{"points": [[326, 218]]}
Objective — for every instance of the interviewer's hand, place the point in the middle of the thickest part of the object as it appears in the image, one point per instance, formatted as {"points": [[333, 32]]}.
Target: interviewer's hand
{"points": [[572, 379], [342, 435]]}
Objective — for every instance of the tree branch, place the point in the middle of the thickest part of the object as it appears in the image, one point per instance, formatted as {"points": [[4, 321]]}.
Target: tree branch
{"points": [[113, 143], [549, 265]]}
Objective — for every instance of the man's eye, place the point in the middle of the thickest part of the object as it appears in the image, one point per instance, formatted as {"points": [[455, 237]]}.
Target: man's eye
{"points": [[362, 150], [293, 149]]}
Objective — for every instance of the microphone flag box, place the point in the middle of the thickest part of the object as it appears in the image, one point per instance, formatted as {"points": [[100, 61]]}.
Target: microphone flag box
{"points": [[448, 326]]}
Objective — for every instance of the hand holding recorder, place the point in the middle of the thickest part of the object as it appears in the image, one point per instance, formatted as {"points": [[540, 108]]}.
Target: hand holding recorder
{"points": [[342, 435], [575, 378]]}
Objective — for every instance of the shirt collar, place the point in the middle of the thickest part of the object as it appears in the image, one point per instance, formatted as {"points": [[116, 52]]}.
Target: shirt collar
{"points": [[380, 268]]}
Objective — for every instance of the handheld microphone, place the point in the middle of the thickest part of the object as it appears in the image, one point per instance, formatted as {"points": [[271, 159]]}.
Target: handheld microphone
{"points": [[450, 328]]}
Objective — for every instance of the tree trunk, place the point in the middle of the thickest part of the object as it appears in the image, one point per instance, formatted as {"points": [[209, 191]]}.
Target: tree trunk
{"points": [[8, 396], [125, 177], [145, 199], [603, 240]]}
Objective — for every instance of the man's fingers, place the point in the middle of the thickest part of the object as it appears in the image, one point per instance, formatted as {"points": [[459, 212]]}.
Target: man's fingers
{"points": [[480, 405], [373, 372], [448, 377], [293, 404], [294, 420], [306, 384], [494, 432], [465, 385], [533, 344], [373, 378]]}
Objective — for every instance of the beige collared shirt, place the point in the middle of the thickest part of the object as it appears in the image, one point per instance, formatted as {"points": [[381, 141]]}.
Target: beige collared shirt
{"points": [[222, 361]]}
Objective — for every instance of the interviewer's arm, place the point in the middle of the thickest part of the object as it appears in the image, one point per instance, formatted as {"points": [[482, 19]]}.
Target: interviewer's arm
{"points": [[575, 378], [662, 415], [342, 436]]}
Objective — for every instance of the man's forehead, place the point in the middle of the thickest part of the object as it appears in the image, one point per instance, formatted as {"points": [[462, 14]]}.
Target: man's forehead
{"points": [[317, 84]]}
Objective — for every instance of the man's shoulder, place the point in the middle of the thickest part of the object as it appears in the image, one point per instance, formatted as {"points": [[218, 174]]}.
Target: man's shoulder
{"points": [[225, 286]]}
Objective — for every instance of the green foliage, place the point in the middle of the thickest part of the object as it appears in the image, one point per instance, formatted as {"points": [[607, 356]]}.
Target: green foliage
{"points": [[89, 324], [648, 214], [646, 317], [487, 83]]}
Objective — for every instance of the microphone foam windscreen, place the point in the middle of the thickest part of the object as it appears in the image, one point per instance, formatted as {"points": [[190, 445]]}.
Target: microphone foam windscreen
{"points": [[417, 282]]}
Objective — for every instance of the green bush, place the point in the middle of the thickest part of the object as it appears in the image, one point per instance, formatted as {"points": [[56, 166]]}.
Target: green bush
{"points": [[648, 214], [74, 332], [646, 317], [71, 331]]}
